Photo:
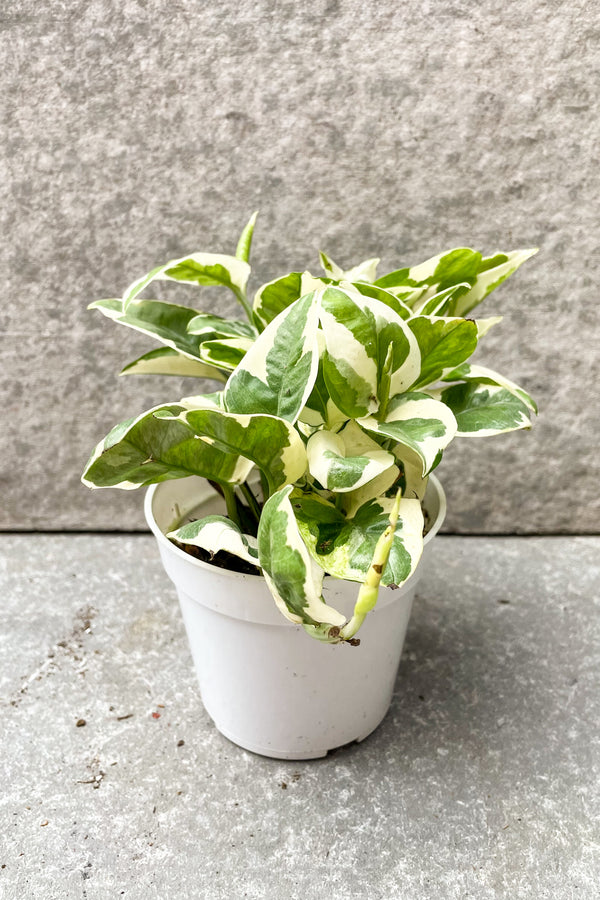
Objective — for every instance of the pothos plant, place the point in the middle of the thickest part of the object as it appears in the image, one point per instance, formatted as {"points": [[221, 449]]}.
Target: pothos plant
{"points": [[342, 390]]}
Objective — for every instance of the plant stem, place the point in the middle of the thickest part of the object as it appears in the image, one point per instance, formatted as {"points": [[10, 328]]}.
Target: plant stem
{"points": [[247, 308], [252, 501], [231, 502]]}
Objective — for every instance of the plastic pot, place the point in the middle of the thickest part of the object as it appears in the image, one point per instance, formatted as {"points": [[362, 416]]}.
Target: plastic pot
{"points": [[266, 684]]}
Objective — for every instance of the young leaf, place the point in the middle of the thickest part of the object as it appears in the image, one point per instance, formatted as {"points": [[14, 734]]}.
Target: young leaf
{"points": [[347, 460], [358, 333], [292, 577], [444, 344], [418, 422], [378, 293], [197, 268], [227, 353], [148, 449], [215, 534], [272, 443], [364, 271], [482, 375], [278, 372], [245, 242], [344, 547], [275, 296], [209, 327], [166, 361], [483, 410]]}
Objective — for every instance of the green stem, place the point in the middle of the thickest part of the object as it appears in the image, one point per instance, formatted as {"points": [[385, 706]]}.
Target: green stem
{"points": [[247, 308], [252, 501], [231, 502], [265, 486]]}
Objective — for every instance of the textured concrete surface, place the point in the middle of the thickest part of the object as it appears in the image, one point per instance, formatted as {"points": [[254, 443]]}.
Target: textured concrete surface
{"points": [[138, 131], [482, 782]]}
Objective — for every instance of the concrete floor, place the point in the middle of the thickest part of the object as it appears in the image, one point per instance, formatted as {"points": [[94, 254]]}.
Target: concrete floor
{"points": [[482, 782]]}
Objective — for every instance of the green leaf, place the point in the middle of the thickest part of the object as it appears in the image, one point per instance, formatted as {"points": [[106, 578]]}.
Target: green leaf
{"points": [[482, 375], [277, 373], [378, 293], [483, 410], [293, 579], [416, 421], [365, 271], [344, 547], [197, 268], [359, 332], [149, 448], [444, 344], [166, 361], [227, 353], [347, 460], [471, 275], [272, 298], [272, 443], [245, 242], [217, 534], [209, 327], [439, 304], [167, 322]]}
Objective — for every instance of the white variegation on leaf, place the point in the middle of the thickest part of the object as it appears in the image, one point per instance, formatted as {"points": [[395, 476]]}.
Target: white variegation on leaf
{"points": [[166, 361], [359, 331], [268, 441], [226, 353], [156, 446], [197, 268], [416, 421], [483, 375], [347, 460], [482, 410], [344, 546], [364, 271], [294, 579], [275, 296], [216, 534], [166, 322], [278, 372]]}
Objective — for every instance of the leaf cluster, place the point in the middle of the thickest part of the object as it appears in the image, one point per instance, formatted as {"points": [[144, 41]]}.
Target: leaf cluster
{"points": [[342, 391]]}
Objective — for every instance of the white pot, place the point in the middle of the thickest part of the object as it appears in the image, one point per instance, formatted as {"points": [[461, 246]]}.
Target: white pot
{"points": [[266, 684]]}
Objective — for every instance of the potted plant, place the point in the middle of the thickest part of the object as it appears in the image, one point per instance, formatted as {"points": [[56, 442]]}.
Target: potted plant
{"points": [[306, 479]]}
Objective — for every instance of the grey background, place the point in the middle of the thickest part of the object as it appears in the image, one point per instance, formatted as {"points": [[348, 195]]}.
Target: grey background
{"points": [[134, 132]]}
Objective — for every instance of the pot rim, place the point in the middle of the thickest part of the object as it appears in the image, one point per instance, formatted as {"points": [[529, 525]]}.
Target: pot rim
{"points": [[170, 547]]}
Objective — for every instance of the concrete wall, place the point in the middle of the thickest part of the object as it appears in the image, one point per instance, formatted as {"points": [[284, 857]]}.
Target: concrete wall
{"points": [[138, 131]]}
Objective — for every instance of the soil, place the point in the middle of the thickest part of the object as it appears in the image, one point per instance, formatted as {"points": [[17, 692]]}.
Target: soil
{"points": [[222, 559]]}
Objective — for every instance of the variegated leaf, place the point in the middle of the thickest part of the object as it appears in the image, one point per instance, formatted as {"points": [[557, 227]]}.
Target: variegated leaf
{"points": [[444, 344], [418, 422], [245, 242], [275, 296], [359, 332], [209, 327], [197, 268], [167, 322], [347, 460], [216, 534], [482, 375], [166, 361], [448, 269], [277, 373], [226, 353], [148, 449], [378, 293], [482, 410], [364, 271], [439, 304], [344, 547], [294, 580], [271, 443]]}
